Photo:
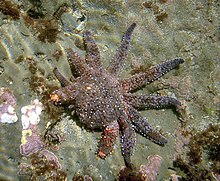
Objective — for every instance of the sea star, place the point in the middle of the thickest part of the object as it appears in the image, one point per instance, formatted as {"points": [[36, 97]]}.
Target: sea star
{"points": [[102, 101]]}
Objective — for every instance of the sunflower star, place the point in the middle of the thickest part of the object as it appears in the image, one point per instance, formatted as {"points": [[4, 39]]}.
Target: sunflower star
{"points": [[102, 101]]}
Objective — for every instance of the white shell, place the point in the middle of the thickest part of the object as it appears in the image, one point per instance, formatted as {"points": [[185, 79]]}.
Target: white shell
{"points": [[25, 121], [8, 118]]}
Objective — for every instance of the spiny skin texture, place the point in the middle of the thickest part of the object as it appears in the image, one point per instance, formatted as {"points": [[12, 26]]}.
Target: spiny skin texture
{"points": [[102, 101]]}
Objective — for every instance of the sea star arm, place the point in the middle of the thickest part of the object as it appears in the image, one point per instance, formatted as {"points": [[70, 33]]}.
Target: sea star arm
{"points": [[92, 56], [141, 126], [121, 53], [137, 80], [64, 95], [128, 139], [77, 65], [108, 139], [150, 102], [63, 81]]}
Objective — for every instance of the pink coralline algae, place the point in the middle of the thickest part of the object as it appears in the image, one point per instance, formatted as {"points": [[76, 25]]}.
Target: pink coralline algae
{"points": [[7, 106], [44, 166], [44, 163], [30, 114], [31, 142], [50, 157], [147, 172]]}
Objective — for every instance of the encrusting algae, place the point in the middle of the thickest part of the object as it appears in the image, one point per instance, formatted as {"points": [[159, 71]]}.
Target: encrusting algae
{"points": [[7, 106], [44, 163]]}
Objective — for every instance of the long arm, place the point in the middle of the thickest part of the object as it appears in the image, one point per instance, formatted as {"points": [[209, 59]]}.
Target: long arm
{"points": [[151, 102], [108, 139], [92, 56], [144, 128], [63, 81], [121, 53], [152, 74], [77, 65], [127, 138]]}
